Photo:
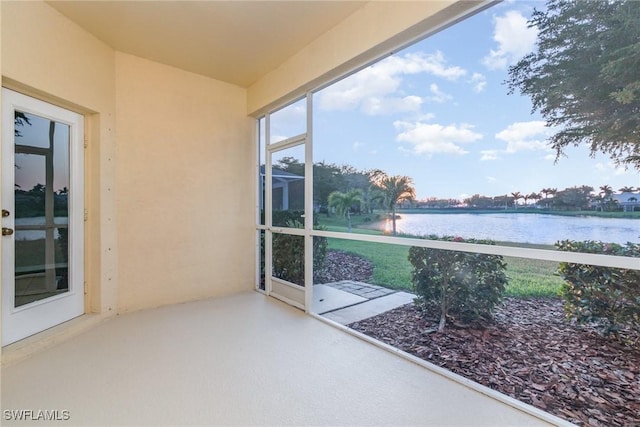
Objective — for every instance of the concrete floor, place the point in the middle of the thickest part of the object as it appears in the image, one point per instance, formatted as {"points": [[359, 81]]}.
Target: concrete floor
{"points": [[241, 360]]}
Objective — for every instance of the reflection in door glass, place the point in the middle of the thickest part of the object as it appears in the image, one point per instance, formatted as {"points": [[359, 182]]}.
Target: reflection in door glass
{"points": [[35, 279], [41, 208]]}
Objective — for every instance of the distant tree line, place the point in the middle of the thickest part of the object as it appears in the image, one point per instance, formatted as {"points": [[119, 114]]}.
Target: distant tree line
{"points": [[359, 191], [582, 197]]}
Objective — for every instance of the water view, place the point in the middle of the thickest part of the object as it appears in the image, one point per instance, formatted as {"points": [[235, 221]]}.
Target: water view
{"points": [[40, 222], [525, 228]]}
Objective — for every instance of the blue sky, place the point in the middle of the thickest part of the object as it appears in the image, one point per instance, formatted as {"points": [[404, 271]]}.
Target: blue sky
{"points": [[439, 112]]}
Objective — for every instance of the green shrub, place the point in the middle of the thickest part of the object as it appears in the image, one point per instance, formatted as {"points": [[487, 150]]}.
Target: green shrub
{"points": [[288, 250], [459, 285], [288, 256], [610, 296]]}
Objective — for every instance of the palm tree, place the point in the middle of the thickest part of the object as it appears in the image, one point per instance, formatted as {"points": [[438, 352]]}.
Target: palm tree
{"points": [[605, 191], [626, 189], [534, 196], [516, 196], [394, 189], [546, 193], [343, 202]]}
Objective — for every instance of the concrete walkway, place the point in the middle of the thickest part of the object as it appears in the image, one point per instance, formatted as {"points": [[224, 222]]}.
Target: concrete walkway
{"points": [[349, 301]]}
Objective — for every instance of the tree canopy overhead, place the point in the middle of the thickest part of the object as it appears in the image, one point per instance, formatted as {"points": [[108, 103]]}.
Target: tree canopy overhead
{"points": [[584, 76]]}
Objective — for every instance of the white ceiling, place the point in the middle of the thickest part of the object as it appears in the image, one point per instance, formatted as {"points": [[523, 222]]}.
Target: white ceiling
{"points": [[233, 41]]}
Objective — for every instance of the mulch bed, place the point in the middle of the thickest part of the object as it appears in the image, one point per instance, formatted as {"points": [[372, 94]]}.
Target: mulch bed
{"points": [[341, 265], [530, 353]]}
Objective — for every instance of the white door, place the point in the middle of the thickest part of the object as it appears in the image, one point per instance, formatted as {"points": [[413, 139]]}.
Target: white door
{"points": [[42, 216]]}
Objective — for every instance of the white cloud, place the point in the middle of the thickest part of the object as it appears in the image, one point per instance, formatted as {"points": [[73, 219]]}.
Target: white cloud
{"points": [[435, 138], [523, 136], [478, 81], [492, 179], [374, 90], [357, 145], [379, 105], [437, 95], [425, 117], [489, 155], [514, 38]]}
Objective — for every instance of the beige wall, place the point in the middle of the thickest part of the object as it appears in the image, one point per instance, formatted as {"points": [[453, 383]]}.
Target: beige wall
{"points": [[185, 185], [377, 29]]}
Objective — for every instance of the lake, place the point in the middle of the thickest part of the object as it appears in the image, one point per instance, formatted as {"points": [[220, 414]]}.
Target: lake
{"points": [[37, 221], [523, 228]]}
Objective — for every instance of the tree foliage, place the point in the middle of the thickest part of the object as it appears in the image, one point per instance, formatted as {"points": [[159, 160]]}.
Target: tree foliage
{"points": [[20, 119], [584, 76], [344, 202]]}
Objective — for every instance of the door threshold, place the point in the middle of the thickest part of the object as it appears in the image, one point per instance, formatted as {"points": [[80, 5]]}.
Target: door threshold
{"points": [[26, 347]]}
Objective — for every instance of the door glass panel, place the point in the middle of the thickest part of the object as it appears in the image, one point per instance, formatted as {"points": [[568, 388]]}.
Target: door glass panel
{"points": [[41, 208], [288, 187], [35, 280]]}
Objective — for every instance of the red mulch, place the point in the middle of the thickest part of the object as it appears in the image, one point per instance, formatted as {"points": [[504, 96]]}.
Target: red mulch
{"points": [[530, 353]]}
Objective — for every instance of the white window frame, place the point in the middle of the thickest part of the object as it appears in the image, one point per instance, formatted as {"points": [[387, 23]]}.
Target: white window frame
{"points": [[612, 261]]}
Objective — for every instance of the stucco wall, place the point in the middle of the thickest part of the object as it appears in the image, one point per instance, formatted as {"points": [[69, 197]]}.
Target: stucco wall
{"points": [[185, 185]]}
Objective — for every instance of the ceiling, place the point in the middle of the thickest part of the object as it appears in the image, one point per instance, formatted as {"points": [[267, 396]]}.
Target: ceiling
{"points": [[233, 41]]}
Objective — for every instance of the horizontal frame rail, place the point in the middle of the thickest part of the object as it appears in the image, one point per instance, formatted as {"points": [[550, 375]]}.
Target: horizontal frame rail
{"points": [[613, 261]]}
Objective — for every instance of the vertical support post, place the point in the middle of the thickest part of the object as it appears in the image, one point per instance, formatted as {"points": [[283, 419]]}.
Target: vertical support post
{"points": [[268, 214], [259, 204], [308, 208]]}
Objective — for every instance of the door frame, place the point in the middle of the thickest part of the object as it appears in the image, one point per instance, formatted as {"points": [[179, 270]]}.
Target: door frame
{"points": [[304, 139], [29, 319]]}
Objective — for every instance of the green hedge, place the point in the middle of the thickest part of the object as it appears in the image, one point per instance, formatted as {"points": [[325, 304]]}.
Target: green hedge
{"points": [[288, 250], [610, 296]]}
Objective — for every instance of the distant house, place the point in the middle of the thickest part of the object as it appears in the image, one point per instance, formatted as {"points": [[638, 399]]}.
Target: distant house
{"points": [[286, 194], [628, 201]]}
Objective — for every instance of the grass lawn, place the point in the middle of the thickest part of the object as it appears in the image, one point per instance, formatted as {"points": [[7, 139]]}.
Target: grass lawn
{"points": [[527, 277], [391, 266]]}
